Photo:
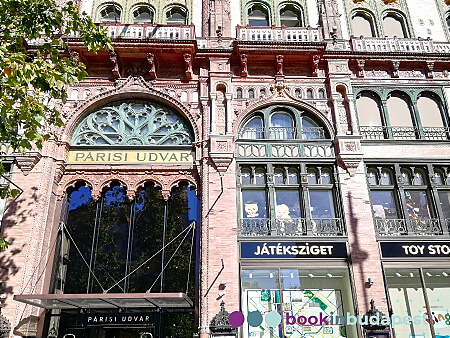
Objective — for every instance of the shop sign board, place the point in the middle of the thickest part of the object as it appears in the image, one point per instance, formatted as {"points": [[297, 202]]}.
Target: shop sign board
{"points": [[118, 318], [415, 249], [131, 156], [293, 250]]}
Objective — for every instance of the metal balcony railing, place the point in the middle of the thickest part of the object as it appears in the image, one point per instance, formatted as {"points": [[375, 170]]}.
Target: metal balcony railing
{"points": [[286, 34], [404, 133], [400, 45], [295, 227], [409, 227]]}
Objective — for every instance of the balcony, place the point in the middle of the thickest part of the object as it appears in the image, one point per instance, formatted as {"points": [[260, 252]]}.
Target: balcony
{"points": [[281, 34], [296, 227], [148, 31], [411, 227], [404, 133], [396, 45]]}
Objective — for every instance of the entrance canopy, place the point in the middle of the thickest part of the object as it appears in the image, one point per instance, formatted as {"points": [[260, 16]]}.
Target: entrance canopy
{"points": [[107, 300]]}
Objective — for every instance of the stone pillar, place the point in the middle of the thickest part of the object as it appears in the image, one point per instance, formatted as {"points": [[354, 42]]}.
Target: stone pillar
{"points": [[229, 125], [213, 97]]}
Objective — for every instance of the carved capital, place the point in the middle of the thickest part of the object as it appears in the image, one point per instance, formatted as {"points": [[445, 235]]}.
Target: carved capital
{"points": [[27, 162]]}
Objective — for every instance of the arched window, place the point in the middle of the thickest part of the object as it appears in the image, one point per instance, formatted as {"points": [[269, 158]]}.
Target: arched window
{"points": [[133, 123], [281, 126], [309, 94], [253, 129], [262, 92], [176, 15], [362, 25], [143, 14], [393, 25], [321, 94], [291, 16], [258, 15], [431, 117], [239, 93], [251, 94], [399, 112], [110, 13], [369, 112], [298, 93], [448, 21]]}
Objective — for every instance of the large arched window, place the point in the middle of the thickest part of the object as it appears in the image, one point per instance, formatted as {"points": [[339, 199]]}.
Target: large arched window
{"points": [[394, 25], [282, 123], [431, 117], [176, 15], [291, 16], [133, 123], [362, 25], [258, 15], [143, 14], [110, 13], [369, 115]]}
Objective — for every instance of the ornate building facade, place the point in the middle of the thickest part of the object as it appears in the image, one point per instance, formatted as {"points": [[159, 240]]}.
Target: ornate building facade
{"points": [[276, 156]]}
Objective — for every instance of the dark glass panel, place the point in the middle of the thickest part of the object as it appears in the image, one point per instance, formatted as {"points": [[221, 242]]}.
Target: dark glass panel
{"points": [[383, 204], [322, 205]]}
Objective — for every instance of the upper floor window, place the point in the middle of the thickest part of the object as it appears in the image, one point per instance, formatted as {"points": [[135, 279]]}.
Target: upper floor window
{"points": [[258, 15], [282, 123], [362, 25], [448, 22], [251, 94], [110, 13], [176, 15], [143, 14], [291, 16], [239, 93], [393, 25]]}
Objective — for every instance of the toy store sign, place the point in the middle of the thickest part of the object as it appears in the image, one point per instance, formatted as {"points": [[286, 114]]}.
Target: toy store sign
{"points": [[131, 157], [415, 249], [99, 319], [293, 250]]}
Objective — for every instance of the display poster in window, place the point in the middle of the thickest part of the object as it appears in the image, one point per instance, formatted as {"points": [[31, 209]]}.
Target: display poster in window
{"points": [[315, 306]]}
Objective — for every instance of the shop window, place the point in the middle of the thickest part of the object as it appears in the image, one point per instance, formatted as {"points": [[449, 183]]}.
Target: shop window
{"points": [[297, 292], [143, 14], [291, 16], [405, 207], [283, 209], [393, 25], [176, 16], [281, 125], [239, 93], [110, 13], [258, 15], [362, 25]]}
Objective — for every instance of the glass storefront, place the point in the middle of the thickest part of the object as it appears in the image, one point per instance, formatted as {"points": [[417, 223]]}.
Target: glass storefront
{"points": [[408, 290], [311, 302]]}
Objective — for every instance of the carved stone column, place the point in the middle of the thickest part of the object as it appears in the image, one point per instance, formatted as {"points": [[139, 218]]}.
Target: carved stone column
{"points": [[213, 97], [229, 125]]}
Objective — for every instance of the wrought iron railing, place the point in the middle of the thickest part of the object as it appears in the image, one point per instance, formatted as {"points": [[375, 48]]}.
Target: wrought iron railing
{"points": [[295, 227], [287, 34], [408, 227], [282, 133], [404, 133], [399, 45]]}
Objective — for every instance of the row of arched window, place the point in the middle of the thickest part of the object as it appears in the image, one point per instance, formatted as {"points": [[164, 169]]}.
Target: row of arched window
{"points": [[401, 117], [143, 13], [392, 23], [289, 15], [252, 93]]}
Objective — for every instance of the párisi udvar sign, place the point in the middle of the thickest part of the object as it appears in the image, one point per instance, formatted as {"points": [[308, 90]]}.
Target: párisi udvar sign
{"points": [[131, 156]]}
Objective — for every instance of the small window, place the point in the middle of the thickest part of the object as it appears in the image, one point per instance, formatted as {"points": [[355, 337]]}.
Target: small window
{"points": [[245, 176], [312, 176], [309, 94], [253, 129], [239, 94], [262, 92], [251, 94], [298, 93], [143, 14], [260, 176], [372, 177], [406, 177], [448, 22], [258, 16], [278, 176], [325, 176], [419, 177], [176, 16], [110, 13], [321, 94], [292, 176], [386, 177], [438, 177]]}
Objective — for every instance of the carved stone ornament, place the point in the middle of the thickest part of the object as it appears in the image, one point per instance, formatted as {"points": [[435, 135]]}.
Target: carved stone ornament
{"points": [[221, 161], [244, 71], [447, 2], [220, 323], [151, 64], [279, 89], [115, 64], [374, 313], [188, 65], [27, 162], [5, 326]]}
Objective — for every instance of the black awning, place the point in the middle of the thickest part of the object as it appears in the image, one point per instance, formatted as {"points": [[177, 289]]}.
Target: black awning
{"points": [[107, 300]]}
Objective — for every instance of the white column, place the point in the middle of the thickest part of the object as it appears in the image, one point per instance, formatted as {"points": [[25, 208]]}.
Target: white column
{"points": [[213, 97], [229, 97]]}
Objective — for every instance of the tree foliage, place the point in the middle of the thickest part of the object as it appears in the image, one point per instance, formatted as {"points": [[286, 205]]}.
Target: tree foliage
{"points": [[36, 65]]}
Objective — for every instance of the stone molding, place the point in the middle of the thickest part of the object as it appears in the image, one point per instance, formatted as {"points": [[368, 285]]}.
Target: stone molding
{"points": [[27, 162]]}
